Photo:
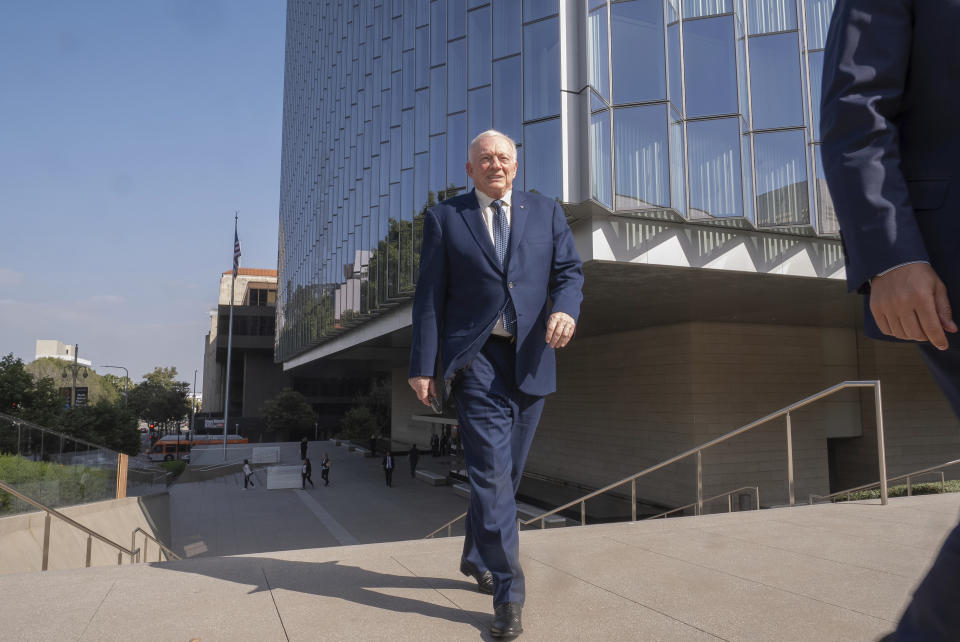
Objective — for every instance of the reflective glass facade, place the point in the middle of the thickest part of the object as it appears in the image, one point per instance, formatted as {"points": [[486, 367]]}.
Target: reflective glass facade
{"points": [[696, 110]]}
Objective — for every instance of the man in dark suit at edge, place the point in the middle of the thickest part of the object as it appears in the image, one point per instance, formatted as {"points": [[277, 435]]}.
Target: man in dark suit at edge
{"points": [[891, 151], [499, 289]]}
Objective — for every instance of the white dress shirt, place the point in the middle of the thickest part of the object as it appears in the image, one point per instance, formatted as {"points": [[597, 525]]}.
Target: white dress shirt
{"points": [[487, 211]]}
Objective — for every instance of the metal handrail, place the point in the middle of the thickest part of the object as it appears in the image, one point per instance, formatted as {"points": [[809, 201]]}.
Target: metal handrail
{"points": [[728, 494], [448, 526], [134, 553], [148, 536], [907, 476], [698, 450]]}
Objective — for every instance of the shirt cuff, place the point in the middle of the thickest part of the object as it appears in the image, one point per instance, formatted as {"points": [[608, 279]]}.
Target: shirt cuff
{"points": [[895, 267]]}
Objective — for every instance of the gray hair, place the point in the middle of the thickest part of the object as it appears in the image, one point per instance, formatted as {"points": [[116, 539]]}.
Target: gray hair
{"points": [[491, 133]]}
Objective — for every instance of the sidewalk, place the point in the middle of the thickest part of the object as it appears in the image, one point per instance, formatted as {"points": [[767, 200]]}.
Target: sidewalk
{"points": [[218, 517], [828, 572]]}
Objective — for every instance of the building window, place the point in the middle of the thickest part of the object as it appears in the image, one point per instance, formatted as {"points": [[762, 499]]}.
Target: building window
{"points": [[775, 80], [640, 157], [781, 179], [636, 40], [713, 147], [600, 178], [543, 147], [598, 58], [771, 16], [710, 67], [541, 69]]}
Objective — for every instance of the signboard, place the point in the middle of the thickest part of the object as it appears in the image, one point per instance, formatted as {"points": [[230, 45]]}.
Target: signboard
{"points": [[213, 423], [81, 396]]}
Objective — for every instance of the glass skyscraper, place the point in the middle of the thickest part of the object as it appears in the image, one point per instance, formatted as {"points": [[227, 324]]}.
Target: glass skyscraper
{"points": [[684, 111]]}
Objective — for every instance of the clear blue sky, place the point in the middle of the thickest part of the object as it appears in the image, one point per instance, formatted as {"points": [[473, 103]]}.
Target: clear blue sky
{"points": [[129, 134]]}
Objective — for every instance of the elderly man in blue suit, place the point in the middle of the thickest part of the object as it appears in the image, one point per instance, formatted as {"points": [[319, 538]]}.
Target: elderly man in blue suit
{"points": [[499, 289], [891, 152]]}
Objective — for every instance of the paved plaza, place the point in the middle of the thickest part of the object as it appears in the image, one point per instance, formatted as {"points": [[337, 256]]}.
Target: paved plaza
{"points": [[826, 572]]}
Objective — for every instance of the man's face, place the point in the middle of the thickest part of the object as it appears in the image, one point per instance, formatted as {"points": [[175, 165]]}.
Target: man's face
{"points": [[492, 166]]}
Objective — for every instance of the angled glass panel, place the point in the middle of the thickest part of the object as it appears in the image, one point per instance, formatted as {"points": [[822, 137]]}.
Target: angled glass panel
{"points": [[816, 78], [746, 153], [407, 130], [477, 3], [781, 179], [819, 13], [456, 76], [593, 4], [636, 40], [409, 17], [711, 77], [699, 8], [596, 103], [423, 12], [601, 188], [405, 231], [457, 150], [507, 103], [422, 52], [456, 18], [713, 148], [678, 179], [598, 55], [438, 164], [438, 100], [396, 45], [544, 158], [438, 36], [541, 69], [385, 168], [396, 95], [421, 182], [396, 153], [533, 9], [771, 16], [479, 114], [675, 66], [518, 182], [507, 25], [640, 157], [422, 121], [775, 78], [409, 78], [478, 39], [825, 210]]}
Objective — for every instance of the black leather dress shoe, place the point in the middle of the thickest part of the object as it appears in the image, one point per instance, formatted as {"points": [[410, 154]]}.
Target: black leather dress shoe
{"points": [[506, 620], [484, 578]]}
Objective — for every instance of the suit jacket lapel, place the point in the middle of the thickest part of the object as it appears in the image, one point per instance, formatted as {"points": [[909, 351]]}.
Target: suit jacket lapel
{"points": [[518, 219], [474, 220]]}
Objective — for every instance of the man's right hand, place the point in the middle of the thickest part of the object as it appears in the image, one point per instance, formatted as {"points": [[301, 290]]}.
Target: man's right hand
{"points": [[911, 302], [425, 388]]}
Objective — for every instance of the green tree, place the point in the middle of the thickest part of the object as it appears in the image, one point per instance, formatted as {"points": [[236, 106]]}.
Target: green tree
{"points": [[160, 399], [106, 424], [22, 395], [290, 413], [370, 413]]}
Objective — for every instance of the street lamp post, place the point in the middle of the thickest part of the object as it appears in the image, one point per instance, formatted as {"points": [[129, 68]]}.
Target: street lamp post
{"points": [[75, 368], [126, 380], [193, 402]]}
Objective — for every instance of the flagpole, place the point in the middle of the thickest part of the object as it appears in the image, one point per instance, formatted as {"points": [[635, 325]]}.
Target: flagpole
{"points": [[233, 281]]}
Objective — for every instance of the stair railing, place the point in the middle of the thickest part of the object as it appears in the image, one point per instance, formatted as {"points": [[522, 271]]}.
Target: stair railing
{"points": [[698, 452], [909, 477], [161, 547], [134, 553]]}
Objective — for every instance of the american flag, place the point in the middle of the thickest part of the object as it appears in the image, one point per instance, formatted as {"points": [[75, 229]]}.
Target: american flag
{"points": [[236, 253]]}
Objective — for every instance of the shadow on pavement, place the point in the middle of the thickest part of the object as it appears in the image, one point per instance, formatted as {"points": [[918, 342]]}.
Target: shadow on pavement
{"points": [[332, 579]]}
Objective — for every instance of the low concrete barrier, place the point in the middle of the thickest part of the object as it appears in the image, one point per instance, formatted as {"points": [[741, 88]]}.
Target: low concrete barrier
{"points": [[265, 456], [279, 477], [434, 479], [524, 511]]}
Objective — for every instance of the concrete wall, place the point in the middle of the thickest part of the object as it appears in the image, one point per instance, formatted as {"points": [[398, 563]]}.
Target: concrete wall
{"points": [[920, 428], [262, 381], [21, 536], [630, 400]]}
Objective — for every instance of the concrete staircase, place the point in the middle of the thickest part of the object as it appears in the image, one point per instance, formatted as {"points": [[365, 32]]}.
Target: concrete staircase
{"points": [[826, 572]]}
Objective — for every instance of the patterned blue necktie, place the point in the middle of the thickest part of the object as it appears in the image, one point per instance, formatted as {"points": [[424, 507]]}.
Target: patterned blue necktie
{"points": [[501, 242]]}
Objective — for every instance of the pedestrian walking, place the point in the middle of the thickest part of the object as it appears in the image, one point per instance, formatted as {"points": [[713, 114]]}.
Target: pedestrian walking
{"points": [[434, 445], [388, 467], [305, 471], [303, 448], [373, 445], [247, 474], [325, 469], [414, 458]]}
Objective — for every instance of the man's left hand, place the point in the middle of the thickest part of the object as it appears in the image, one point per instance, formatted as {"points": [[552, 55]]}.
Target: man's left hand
{"points": [[560, 328]]}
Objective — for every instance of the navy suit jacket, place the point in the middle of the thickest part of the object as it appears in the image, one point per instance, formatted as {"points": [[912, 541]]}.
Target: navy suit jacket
{"points": [[462, 287], [890, 122]]}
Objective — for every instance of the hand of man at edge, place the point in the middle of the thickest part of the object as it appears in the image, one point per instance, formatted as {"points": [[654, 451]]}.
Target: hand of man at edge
{"points": [[425, 388], [560, 328], [911, 302]]}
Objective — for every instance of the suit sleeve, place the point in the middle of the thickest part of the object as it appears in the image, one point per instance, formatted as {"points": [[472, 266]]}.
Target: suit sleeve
{"points": [[429, 300], [566, 273], [864, 74]]}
